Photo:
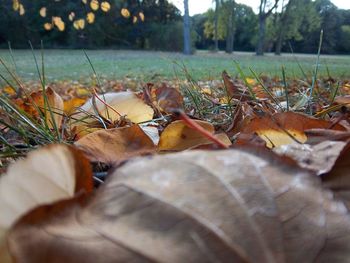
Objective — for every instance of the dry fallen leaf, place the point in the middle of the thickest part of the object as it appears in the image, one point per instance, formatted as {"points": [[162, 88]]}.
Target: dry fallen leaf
{"points": [[168, 99], [177, 136], [53, 110], [125, 103], [115, 145], [338, 179], [71, 105], [47, 175], [199, 206], [235, 90], [319, 158], [283, 128]]}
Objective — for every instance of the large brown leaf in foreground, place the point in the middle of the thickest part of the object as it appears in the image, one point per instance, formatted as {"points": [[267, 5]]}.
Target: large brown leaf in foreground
{"points": [[338, 179], [218, 206], [47, 175]]}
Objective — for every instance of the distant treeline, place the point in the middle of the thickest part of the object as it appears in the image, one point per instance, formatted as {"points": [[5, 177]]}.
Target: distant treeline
{"points": [[296, 26]]}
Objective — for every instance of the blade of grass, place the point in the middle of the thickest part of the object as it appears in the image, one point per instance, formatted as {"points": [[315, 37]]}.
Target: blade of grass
{"points": [[314, 77], [297, 61], [243, 76], [285, 86], [266, 89], [99, 83]]}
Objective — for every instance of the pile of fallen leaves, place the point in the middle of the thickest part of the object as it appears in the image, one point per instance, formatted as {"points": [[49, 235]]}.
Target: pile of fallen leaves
{"points": [[227, 174]]}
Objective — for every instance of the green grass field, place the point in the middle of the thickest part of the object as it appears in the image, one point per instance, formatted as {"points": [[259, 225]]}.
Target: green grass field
{"points": [[150, 66]]}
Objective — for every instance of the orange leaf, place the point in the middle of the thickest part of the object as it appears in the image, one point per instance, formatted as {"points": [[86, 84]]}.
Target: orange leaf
{"points": [[282, 128], [71, 105], [177, 136], [115, 145]]}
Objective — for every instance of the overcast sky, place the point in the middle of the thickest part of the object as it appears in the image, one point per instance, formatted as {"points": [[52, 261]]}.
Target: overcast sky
{"points": [[200, 6]]}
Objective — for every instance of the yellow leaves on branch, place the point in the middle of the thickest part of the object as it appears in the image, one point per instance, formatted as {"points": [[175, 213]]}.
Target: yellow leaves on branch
{"points": [[125, 13], [105, 6], [17, 6], [79, 24], [42, 12], [71, 16], [48, 26], [58, 22], [94, 5], [142, 16], [90, 17]]}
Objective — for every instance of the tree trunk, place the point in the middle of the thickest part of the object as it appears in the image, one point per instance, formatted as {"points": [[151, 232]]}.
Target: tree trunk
{"points": [[216, 23], [279, 42], [261, 39], [187, 30], [263, 15], [230, 30]]}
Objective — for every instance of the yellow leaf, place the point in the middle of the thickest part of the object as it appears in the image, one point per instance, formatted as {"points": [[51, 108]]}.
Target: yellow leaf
{"points": [[43, 11], [15, 5], [250, 81], [71, 105], [177, 136], [206, 91], [105, 6], [94, 4], [48, 26], [134, 19], [84, 2], [21, 10], [125, 13], [125, 103], [90, 17], [71, 16], [142, 16], [57, 21], [9, 90], [82, 92], [79, 24]]}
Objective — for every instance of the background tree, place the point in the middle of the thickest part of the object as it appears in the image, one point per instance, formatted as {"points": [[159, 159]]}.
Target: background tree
{"points": [[265, 10], [296, 15], [216, 24], [230, 7], [187, 29]]}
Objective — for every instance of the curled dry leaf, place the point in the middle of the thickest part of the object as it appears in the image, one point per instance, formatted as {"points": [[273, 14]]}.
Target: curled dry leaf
{"points": [[222, 206], [168, 99], [177, 136], [338, 179], [164, 99], [283, 128], [125, 103], [53, 112], [343, 100], [115, 145], [319, 158], [47, 175], [235, 90], [315, 136]]}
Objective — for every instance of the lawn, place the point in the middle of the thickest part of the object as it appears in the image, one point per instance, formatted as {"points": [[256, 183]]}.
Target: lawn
{"points": [[150, 66]]}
